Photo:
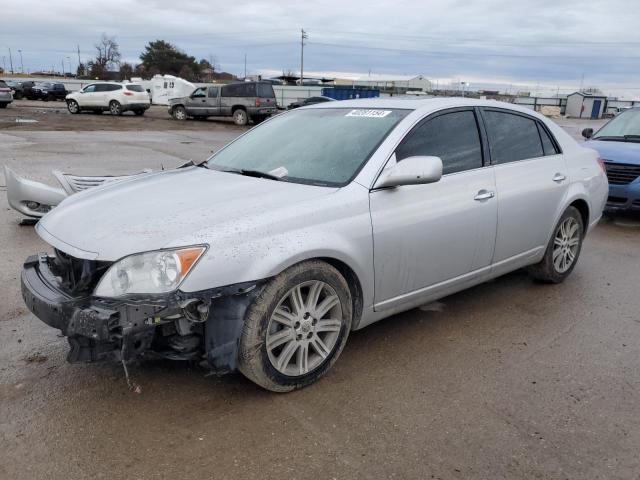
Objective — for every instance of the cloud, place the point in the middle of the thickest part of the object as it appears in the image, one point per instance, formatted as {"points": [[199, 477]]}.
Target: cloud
{"points": [[509, 41]]}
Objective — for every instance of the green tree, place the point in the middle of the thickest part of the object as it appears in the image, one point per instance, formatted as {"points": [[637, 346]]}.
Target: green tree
{"points": [[162, 57]]}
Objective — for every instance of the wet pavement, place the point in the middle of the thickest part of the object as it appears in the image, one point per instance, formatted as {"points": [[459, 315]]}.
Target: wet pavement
{"points": [[510, 379]]}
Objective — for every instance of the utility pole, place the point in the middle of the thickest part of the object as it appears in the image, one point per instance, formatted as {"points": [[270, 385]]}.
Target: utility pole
{"points": [[79, 62], [21, 64], [64, 73], [4, 64], [10, 60], [70, 71], [245, 66], [303, 37]]}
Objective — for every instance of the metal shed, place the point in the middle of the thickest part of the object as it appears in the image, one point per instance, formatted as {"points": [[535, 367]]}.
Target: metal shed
{"points": [[585, 105]]}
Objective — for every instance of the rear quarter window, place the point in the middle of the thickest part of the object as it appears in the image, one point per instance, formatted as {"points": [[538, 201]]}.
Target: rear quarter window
{"points": [[265, 90], [135, 88]]}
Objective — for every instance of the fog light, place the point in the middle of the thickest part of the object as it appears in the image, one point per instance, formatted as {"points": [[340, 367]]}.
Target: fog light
{"points": [[33, 205]]}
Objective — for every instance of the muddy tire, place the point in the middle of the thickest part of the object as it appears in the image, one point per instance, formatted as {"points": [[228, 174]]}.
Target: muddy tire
{"points": [[73, 107], [179, 113], [563, 249], [296, 328], [240, 117], [115, 108]]}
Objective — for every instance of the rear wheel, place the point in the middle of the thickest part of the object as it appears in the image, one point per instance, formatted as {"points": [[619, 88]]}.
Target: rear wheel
{"points": [[73, 106], [3, 105], [179, 113], [240, 117], [115, 108], [138, 112], [563, 250], [296, 328]]}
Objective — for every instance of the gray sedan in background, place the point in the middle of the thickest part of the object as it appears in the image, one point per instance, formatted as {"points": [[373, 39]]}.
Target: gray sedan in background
{"points": [[318, 222]]}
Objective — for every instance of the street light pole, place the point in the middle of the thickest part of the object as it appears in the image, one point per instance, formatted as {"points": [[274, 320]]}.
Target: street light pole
{"points": [[303, 37], [21, 64], [10, 60]]}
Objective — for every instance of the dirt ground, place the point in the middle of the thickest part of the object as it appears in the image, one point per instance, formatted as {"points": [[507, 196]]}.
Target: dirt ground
{"points": [[26, 115], [508, 380]]}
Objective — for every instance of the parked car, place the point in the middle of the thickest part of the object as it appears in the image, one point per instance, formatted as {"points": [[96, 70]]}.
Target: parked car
{"points": [[6, 96], [618, 143], [309, 101], [113, 97], [16, 89], [262, 258], [48, 91], [242, 101], [27, 86]]}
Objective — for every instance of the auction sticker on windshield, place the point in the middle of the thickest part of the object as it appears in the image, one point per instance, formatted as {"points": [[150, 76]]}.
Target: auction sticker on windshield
{"points": [[368, 113]]}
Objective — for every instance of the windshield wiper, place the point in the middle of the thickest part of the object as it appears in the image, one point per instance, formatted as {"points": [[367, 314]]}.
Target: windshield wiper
{"points": [[620, 138], [251, 173]]}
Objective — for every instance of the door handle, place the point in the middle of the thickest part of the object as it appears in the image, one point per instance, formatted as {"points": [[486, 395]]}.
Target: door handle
{"points": [[484, 195], [559, 178]]}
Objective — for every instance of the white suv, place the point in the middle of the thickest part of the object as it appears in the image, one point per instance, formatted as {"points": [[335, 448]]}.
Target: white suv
{"points": [[117, 98]]}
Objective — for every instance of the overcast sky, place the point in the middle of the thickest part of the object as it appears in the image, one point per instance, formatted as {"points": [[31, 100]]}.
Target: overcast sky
{"points": [[539, 44]]}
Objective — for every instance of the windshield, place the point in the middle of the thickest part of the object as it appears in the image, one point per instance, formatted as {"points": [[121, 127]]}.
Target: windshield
{"points": [[626, 123], [318, 146]]}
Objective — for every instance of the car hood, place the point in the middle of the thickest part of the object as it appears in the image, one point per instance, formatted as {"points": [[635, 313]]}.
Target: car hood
{"points": [[621, 152], [162, 209]]}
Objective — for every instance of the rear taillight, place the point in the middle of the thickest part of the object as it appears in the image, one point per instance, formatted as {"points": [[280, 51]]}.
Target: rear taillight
{"points": [[128, 94], [257, 102], [602, 165]]}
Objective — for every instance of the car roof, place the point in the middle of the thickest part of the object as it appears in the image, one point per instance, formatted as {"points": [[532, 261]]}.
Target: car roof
{"points": [[425, 104]]}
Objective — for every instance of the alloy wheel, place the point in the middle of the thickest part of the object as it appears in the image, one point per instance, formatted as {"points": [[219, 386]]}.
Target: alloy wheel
{"points": [[565, 244], [304, 328]]}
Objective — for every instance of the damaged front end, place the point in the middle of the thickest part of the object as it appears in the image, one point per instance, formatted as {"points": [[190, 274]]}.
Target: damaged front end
{"points": [[35, 199], [201, 326]]}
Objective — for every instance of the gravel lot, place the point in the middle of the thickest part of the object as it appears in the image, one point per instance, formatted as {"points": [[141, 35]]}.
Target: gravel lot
{"points": [[510, 379]]}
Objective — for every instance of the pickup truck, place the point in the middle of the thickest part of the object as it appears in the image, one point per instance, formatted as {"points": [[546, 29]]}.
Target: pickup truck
{"points": [[47, 91]]}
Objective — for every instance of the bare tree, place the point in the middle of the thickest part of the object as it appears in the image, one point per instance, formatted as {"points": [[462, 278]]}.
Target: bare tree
{"points": [[108, 52]]}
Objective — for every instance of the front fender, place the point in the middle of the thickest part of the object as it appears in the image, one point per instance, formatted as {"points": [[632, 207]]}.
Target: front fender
{"points": [[261, 248]]}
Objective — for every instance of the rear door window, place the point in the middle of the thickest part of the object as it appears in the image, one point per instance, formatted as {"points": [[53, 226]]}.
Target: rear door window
{"points": [[453, 137], [512, 137], [239, 90]]}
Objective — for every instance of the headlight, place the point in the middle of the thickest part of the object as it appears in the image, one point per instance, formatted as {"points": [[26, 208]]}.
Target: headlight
{"points": [[150, 272]]}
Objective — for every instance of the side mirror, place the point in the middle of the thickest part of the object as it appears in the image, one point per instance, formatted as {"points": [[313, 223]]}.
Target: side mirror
{"points": [[587, 133], [412, 171]]}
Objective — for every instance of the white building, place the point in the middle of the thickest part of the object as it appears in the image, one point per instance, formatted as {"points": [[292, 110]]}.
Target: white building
{"points": [[388, 82], [585, 105]]}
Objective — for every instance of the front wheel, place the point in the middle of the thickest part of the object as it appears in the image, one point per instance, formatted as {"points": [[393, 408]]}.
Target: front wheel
{"points": [[296, 328], [73, 106], [563, 250], [115, 108], [179, 113]]}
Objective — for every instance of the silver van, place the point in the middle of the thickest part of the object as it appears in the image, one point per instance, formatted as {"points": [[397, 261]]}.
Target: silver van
{"points": [[242, 101]]}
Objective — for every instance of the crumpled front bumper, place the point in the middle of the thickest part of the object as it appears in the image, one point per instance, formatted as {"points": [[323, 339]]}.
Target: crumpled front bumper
{"points": [[121, 329]]}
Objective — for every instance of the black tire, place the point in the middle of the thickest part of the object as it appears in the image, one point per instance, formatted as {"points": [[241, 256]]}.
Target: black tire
{"points": [[259, 118], [18, 96], [240, 117], [115, 108], [547, 270], [138, 113], [253, 357], [3, 105], [73, 107], [179, 113]]}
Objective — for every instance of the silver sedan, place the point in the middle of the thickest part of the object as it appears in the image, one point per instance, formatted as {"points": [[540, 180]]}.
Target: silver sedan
{"points": [[318, 222]]}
